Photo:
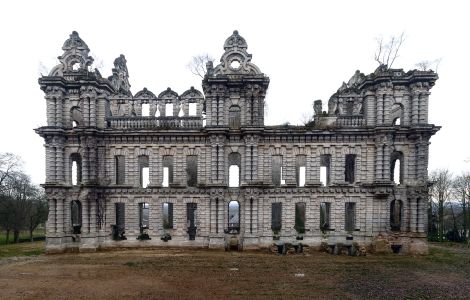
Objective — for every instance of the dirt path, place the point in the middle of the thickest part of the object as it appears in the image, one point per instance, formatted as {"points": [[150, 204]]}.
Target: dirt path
{"points": [[203, 274]]}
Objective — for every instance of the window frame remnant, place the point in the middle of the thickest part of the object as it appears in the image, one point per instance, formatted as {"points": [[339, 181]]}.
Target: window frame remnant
{"points": [[350, 168], [325, 216], [167, 215], [325, 162], [394, 157], [276, 170], [276, 217], [350, 216], [300, 217]]}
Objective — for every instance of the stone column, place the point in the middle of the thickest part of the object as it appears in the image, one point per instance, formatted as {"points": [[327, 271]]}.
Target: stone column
{"points": [[369, 109], [93, 112], [407, 110], [378, 162], [59, 112], [50, 163], [388, 100], [380, 108], [85, 216], [60, 168], [86, 111], [85, 165], [51, 108], [423, 107], [386, 163], [50, 224], [60, 215]]}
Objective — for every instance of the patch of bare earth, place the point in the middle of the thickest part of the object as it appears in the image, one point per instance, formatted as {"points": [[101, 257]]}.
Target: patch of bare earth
{"points": [[204, 274]]}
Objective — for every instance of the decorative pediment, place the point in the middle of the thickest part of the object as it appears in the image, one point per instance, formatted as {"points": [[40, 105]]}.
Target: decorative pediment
{"points": [[75, 57], [168, 94], [145, 94]]}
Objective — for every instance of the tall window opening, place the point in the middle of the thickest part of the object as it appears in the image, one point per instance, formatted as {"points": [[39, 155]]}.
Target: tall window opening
{"points": [[119, 228], [168, 215], [396, 167], [350, 168], [144, 171], [234, 117], [192, 109], [76, 116], [300, 208], [169, 109], [251, 215], [143, 216], [276, 216], [191, 170], [325, 216], [145, 109], [350, 218], [396, 207], [120, 168], [233, 216], [76, 216], [300, 163], [325, 162], [167, 170], [277, 170], [234, 160], [396, 121], [76, 171]]}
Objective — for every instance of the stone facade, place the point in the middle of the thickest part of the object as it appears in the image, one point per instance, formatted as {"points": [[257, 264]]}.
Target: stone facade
{"points": [[355, 174]]}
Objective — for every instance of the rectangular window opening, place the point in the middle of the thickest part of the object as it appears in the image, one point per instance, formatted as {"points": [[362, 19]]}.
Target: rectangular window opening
{"points": [[119, 168], [168, 215], [325, 215], [144, 215], [300, 208], [350, 218], [276, 169], [167, 170], [325, 161], [192, 109], [276, 217], [144, 171], [191, 170], [349, 168], [168, 109], [145, 110]]}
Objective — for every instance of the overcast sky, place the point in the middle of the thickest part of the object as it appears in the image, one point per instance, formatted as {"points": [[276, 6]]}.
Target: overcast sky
{"points": [[307, 49]]}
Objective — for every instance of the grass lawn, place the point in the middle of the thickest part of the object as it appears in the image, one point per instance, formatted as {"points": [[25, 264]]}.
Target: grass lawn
{"points": [[22, 249], [24, 236], [164, 273]]}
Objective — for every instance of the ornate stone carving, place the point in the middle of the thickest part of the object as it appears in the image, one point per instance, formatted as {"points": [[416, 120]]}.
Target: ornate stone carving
{"points": [[75, 57]]}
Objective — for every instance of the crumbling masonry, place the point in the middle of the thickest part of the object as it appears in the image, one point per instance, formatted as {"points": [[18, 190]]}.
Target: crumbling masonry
{"points": [[202, 169]]}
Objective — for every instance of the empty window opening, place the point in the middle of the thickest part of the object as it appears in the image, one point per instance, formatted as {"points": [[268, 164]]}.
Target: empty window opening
{"points": [[251, 162], [191, 220], [235, 64], [325, 216], [143, 216], [76, 116], [396, 207], [144, 171], [325, 161], [120, 168], [233, 216], [350, 216], [300, 169], [76, 171], [192, 109], [76, 66], [76, 216], [119, 228], [191, 170], [276, 217], [234, 117], [145, 109], [300, 208], [349, 168], [168, 215], [167, 170], [216, 215], [234, 160], [277, 170], [157, 112], [169, 109], [251, 215], [397, 121], [396, 167], [181, 112], [418, 207], [283, 181]]}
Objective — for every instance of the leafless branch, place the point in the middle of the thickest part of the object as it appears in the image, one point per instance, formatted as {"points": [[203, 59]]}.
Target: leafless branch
{"points": [[197, 65]]}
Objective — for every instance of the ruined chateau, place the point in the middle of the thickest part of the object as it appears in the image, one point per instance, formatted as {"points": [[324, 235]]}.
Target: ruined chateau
{"points": [[200, 168]]}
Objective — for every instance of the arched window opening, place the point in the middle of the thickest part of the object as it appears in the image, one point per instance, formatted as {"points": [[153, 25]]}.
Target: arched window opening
{"points": [[76, 168], [396, 167], [234, 160], [234, 117], [76, 216], [396, 207], [396, 121], [234, 217], [145, 110]]}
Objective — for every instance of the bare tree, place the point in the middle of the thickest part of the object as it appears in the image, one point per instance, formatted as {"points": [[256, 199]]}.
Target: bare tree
{"points": [[9, 163], [197, 65], [387, 52], [426, 65], [461, 187], [441, 190]]}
